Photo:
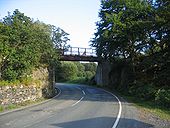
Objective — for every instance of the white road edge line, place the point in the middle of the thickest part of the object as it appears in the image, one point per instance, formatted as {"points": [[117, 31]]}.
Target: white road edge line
{"points": [[77, 102], [58, 93], [83, 92], [120, 110]]}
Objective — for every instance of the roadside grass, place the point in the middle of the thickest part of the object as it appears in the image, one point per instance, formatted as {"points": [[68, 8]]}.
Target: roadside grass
{"points": [[24, 81], [1, 108], [145, 106], [9, 83], [149, 106], [19, 105]]}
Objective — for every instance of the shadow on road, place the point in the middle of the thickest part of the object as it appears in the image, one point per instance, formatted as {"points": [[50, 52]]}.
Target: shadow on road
{"points": [[103, 122]]}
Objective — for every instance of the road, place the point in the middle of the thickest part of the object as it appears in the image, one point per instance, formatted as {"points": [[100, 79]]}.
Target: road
{"points": [[77, 106]]}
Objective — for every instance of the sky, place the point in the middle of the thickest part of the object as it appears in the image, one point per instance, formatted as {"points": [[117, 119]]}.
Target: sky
{"points": [[76, 17]]}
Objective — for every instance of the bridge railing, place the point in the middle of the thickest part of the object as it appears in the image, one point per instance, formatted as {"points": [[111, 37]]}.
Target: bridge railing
{"points": [[80, 51]]}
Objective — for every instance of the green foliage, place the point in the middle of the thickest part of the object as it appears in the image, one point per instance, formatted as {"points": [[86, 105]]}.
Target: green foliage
{"points": [[143, 91], [148, 106], [89, 75], [1, 108], [90, 67], [76, 72], [90, 70], [59, 37], [24, 81], [78, 80], [25, 44], [18, 105], [162, 97], [9, 83], [67, 71], [12, 106], [122, 28], [81, 69], [137, 31]]}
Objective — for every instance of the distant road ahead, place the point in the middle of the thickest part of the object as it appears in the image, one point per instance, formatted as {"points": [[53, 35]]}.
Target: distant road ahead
{"points": [[76, 106]]}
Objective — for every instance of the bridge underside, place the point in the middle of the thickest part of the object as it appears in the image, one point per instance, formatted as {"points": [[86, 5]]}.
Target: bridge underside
{"points": [[79, 58]]}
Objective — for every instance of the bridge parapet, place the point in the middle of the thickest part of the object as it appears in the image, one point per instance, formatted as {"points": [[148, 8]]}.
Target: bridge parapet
{"points": [[79, 54], [80, 51]]}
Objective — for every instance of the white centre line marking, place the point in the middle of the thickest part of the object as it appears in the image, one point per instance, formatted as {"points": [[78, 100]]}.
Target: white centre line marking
{"points": [[78, 88], [77, 102], [83, 92]]}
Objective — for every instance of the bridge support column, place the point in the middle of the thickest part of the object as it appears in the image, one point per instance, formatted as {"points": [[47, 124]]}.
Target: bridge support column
{"points": [[102, 73]]}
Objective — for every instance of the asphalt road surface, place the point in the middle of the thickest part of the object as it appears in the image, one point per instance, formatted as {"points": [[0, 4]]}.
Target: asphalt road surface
{"points": [[76, 106]]}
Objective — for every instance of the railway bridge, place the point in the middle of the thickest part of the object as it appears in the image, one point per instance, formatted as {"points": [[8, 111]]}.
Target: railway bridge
{"points": [[88, 54], [78, 54]]}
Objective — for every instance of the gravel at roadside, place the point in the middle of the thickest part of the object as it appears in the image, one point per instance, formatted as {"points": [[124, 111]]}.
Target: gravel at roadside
{"points": [[150, 118]]}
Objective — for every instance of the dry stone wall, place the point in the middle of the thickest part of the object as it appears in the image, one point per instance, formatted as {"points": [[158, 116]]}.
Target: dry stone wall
{"points": [[14, 94], [18, 94]]}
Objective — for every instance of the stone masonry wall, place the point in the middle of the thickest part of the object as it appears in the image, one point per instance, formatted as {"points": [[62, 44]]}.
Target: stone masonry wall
{"points": [[18, 94], [14, 94], [102, 73]]}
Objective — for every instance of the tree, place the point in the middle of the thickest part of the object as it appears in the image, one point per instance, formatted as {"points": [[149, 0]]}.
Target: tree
{"points": [[122, 28], [44, 43], [21, 54], [67, 71], [81, 69], [161, 55], [4, 48], [90, 69], [136, 31], [135, 36], [90, 66], [59, 37], [25, 44]]}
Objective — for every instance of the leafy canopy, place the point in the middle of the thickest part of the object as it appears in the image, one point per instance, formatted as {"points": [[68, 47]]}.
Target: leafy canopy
{"points": [[26, 44]]}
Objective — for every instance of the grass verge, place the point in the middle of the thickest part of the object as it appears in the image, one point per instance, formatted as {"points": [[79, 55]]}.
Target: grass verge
{"points": [[19, 105], [24, 81], [146, 106], [149, 106]]}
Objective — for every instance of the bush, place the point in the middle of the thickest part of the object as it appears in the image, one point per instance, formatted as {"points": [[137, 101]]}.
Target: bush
{"points": [[143, 91], [88, 75], [162, 97], [81, 69], [9, 74], [68, 71]]}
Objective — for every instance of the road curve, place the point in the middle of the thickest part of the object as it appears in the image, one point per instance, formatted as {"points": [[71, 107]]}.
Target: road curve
{"points": [[77, 106]]}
